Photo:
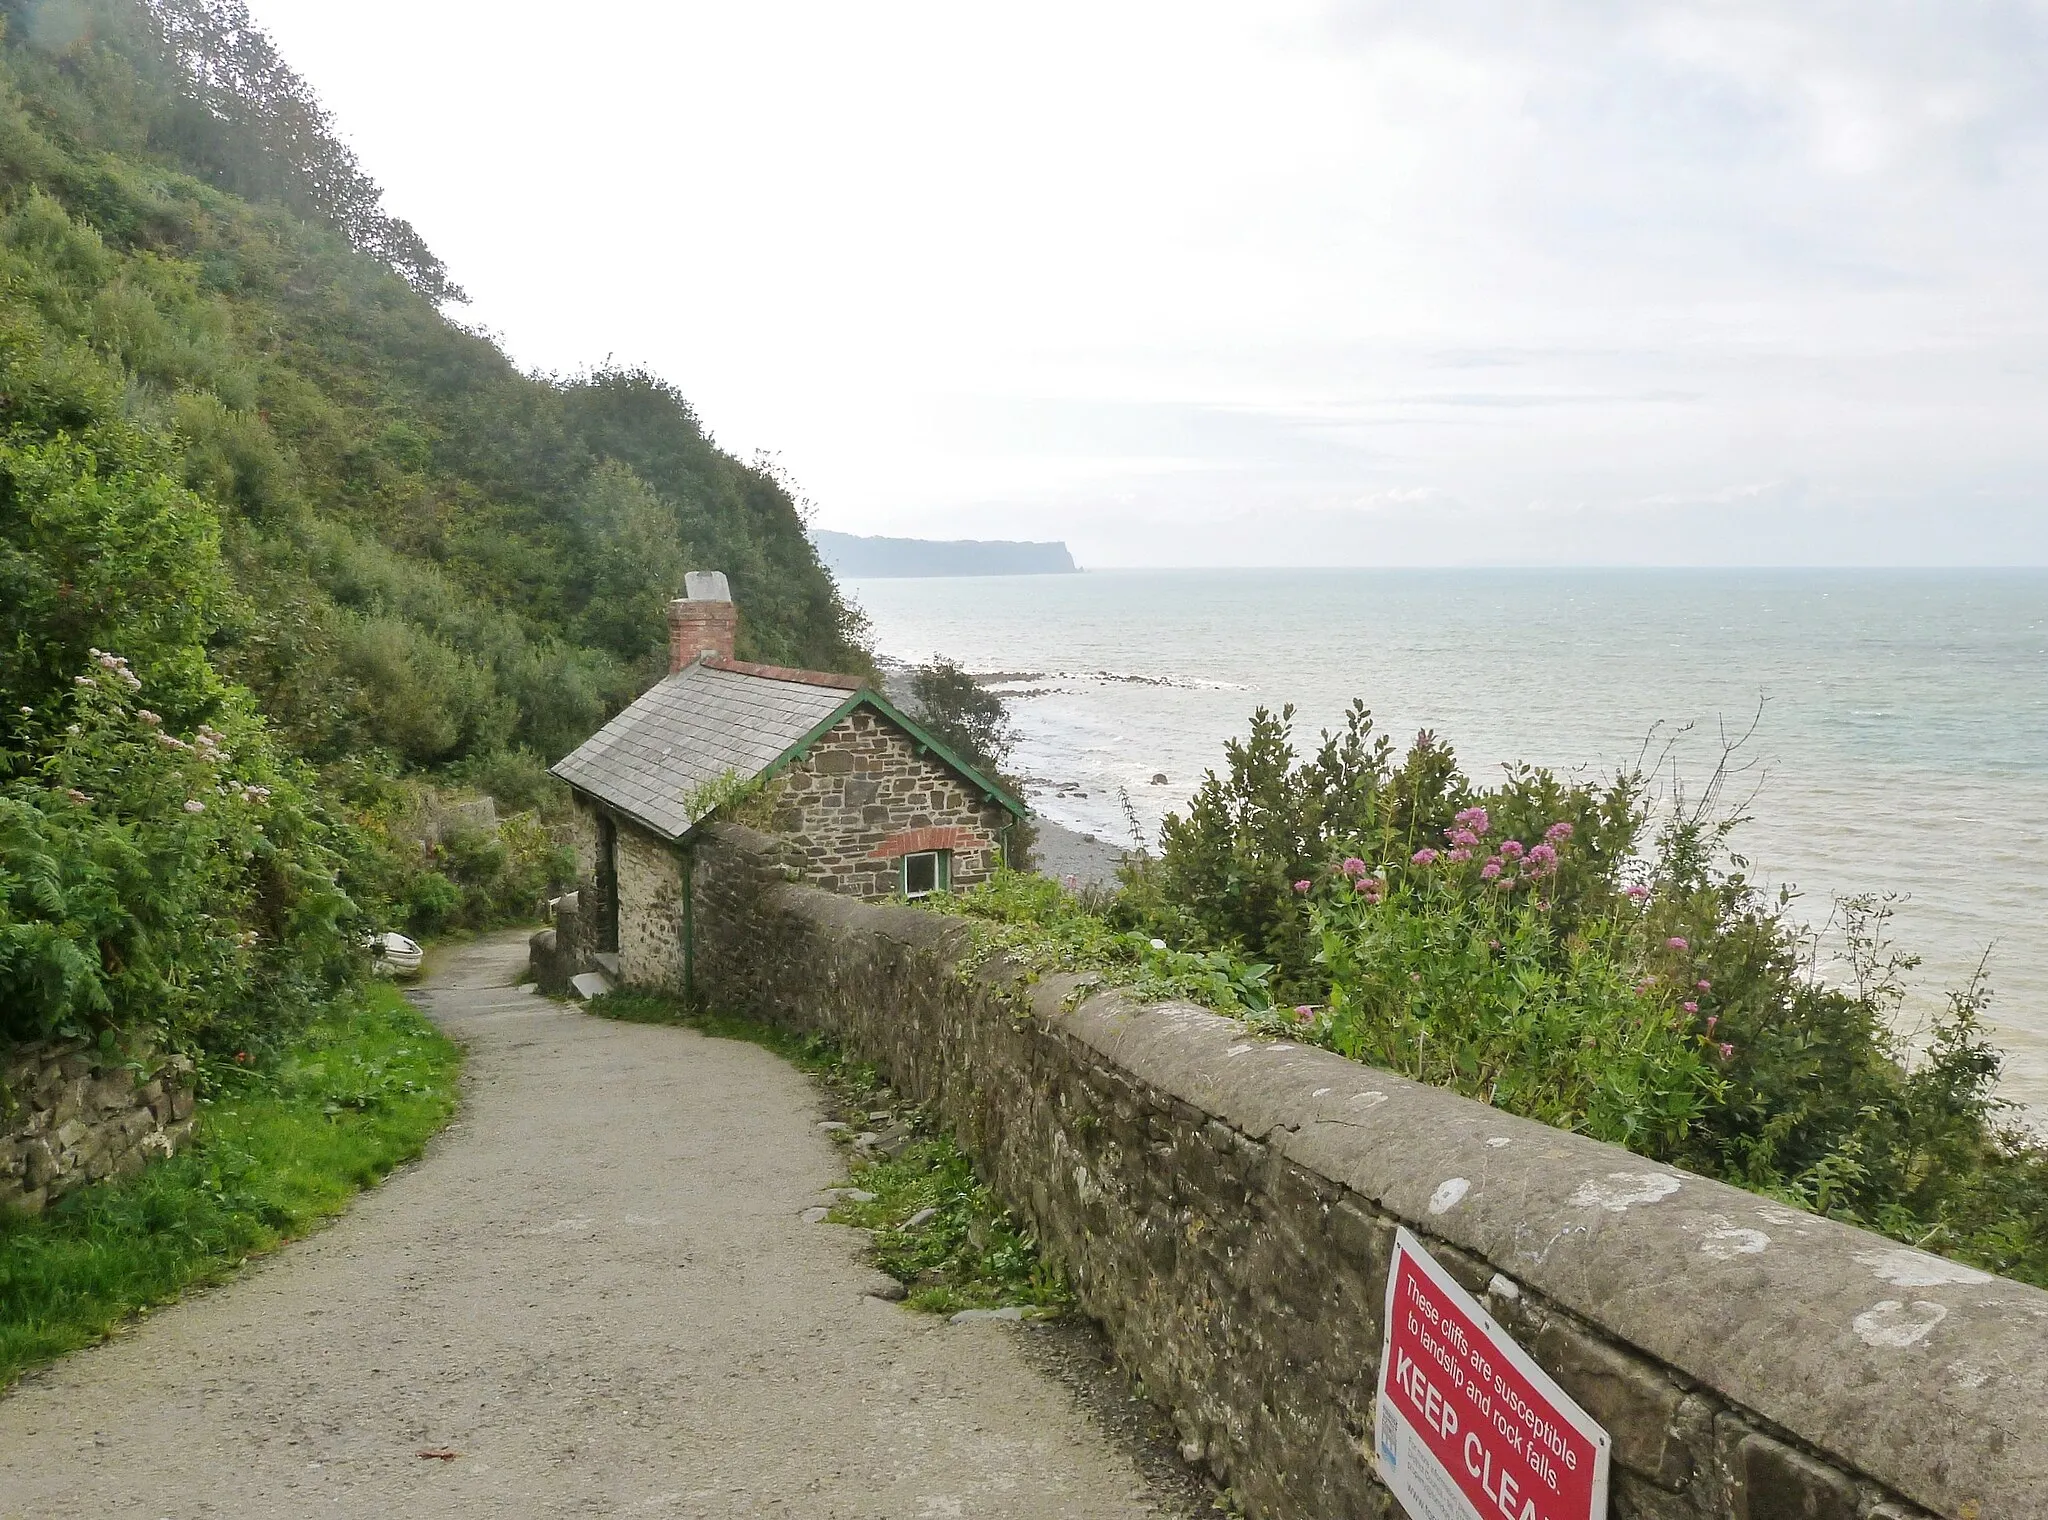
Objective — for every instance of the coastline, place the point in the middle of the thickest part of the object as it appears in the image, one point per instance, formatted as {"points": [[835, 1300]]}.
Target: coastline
{"points": [[1898, 710], [1068, 855]]}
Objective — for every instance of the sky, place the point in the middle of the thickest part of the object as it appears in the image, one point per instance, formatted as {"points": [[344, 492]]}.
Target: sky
{"points": [[1530, 282]]}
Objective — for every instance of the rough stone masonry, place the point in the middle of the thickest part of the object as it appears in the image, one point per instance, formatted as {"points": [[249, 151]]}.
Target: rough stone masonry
{"points": [[70, 1115], [1225, 1207]]}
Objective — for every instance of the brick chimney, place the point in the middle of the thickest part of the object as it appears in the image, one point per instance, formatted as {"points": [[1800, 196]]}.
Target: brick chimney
{"points": [[702, 621]]}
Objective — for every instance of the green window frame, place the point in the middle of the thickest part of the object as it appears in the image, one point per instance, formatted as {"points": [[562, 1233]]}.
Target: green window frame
{"points": [[924, 872]]}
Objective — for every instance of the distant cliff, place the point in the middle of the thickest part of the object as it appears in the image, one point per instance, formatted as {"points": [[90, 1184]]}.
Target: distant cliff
{"points": [[848, 554]]}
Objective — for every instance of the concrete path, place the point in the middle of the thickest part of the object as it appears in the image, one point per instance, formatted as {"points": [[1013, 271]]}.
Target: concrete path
{"points": [[596, 1290]]}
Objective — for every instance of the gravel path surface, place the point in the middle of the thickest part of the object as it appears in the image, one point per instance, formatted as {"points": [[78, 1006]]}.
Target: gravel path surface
{"points": [[596, 1292]]}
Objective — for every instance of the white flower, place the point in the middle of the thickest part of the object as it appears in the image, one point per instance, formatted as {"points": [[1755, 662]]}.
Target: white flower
{"points": [[194, 805]]}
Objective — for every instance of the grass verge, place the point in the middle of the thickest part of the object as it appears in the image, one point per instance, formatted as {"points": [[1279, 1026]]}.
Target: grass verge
{"points": [[936, 1228], [275, 1153]]}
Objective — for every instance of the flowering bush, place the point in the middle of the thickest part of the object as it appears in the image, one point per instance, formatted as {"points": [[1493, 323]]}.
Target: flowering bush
{"points": [[151, 883], [1457, 973], [1529, 946]]}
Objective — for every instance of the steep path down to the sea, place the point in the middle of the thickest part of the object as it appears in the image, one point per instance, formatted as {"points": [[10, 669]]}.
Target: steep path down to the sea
{"points": [[597, 1292]]}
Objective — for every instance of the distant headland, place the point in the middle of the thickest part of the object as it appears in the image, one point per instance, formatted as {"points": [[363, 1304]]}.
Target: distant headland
{"points": [[850, 554]]}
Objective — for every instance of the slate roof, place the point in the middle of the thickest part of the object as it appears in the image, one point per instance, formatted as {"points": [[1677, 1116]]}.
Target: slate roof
{"points": [[692, 728]]}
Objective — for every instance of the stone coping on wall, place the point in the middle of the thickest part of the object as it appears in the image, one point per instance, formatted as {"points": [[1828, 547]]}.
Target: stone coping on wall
{"points": [[1921, 1373]]}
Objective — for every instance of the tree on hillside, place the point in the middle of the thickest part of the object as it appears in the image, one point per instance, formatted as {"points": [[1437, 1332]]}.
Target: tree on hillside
{"points": [[635, 558], [254, 126], [962, 713]]}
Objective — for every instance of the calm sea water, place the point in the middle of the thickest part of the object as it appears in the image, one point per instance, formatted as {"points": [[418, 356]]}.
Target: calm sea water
{"points": [[1902, 717]]}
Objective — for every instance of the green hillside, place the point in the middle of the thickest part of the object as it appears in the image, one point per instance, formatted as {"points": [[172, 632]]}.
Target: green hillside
{"points": [[436, 556], [247, 447]]}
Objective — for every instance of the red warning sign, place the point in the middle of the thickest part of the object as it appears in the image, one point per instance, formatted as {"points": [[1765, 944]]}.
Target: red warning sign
{"points": [[1469, 1427]]}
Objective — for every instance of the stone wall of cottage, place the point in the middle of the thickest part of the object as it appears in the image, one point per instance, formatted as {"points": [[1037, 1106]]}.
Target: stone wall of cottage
{"points": [[865, 783], [650, 910], [69, 1116], [650, 902], [1225, 1206]]}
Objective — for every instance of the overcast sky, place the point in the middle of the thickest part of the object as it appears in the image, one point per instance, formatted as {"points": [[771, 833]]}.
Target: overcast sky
{"points": [[1272, 283]]}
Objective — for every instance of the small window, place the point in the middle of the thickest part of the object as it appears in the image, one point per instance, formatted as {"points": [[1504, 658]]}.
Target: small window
{"points": [[927, 872]]}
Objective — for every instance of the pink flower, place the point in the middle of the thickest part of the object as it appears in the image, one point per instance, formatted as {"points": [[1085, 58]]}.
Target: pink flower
{"points": [[1558, 832], [1353, 866], [1489, 871], [1305, 1012], [1475, 819], [1636, 892], [1727, 1051], [1301, 886], [1423, 857], [1511, 849], [1643, 987], [1463, 838], [1704, 985], [1712, 1020], [1506, 884], [1370, 886], [194, 805], [1459, 855], [1542, 860], [1676, 943], [1690, 1007]]}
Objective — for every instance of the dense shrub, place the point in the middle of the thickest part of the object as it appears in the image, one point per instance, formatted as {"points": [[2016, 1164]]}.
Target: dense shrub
{"points": [[179, 886], [1539, 946]]}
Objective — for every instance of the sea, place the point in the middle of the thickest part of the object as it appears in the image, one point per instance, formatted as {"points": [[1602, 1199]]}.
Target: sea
{"points": [[1890, 727]]}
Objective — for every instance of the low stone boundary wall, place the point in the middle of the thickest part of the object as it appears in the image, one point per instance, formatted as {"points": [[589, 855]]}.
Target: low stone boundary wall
{"points": [[1225, 1207], [69, 1116]]}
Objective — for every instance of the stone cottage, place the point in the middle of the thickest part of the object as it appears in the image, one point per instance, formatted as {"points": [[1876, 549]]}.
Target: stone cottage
{"points": [[866, 802]]}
